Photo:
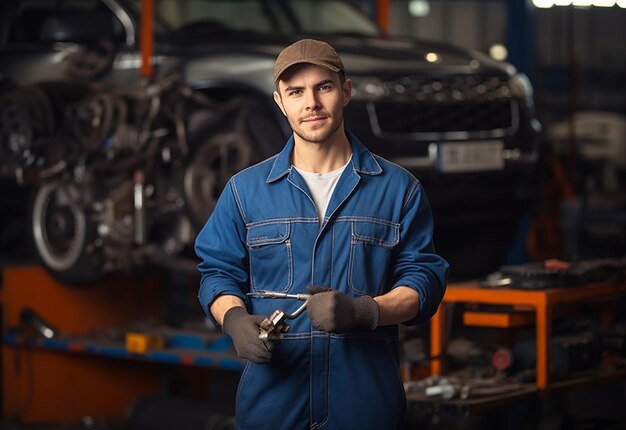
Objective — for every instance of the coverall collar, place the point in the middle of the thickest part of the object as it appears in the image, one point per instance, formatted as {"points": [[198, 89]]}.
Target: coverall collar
{"points": [[362, 160]]}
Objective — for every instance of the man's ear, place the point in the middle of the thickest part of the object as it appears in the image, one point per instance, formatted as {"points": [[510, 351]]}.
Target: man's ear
{"points": [[347, 92], [279, 101]]}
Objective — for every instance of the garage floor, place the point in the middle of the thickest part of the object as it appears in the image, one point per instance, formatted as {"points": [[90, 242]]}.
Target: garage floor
{"points": [[596, 408]]}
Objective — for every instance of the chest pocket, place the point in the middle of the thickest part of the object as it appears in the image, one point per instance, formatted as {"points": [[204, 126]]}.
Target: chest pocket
{"points": [[271, 258], [371, 247]]}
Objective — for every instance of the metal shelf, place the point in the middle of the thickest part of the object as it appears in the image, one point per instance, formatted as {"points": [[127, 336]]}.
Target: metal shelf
{"points": [[215, 354]]}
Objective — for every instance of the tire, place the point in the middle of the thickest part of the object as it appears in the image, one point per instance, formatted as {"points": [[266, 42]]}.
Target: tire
{"points": [[62, 235], [209, 168], [250, 135]]}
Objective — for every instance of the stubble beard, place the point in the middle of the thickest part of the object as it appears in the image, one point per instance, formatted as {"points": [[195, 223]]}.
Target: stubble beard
{"points": [[316, 136]]}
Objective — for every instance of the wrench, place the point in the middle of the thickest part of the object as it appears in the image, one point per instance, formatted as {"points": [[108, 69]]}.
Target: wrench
{"points": [[273, 327]]}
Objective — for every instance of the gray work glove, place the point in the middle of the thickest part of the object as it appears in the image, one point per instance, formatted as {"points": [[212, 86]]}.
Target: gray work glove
{"points": [[336, 312], [243, 329]]}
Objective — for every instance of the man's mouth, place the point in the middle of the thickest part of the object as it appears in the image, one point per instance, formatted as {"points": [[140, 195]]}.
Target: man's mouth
{"points": [[314, 119]]}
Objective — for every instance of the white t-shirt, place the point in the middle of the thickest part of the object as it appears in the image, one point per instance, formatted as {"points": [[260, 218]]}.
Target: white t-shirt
{"points": [[321, 186]]}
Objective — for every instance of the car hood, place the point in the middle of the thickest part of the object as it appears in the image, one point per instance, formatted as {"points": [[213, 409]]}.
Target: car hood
{"points": [[383, 55], [362, 55]]}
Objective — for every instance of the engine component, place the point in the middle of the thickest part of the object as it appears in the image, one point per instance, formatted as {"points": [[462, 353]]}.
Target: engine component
{"points": [[63, 232], [570, 353], [502, 359], [117, 184], [26, 115], [32, 134], [556, 273]]}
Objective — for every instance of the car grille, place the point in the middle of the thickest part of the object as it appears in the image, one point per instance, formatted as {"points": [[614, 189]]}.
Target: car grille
{"points": [[460, 103]]}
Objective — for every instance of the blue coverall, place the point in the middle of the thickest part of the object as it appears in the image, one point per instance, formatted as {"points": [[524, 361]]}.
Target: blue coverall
{"points": [[265, 234]]}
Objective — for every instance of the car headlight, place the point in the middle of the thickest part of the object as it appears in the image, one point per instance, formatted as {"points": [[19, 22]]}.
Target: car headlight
{"points": [[368, 89]]}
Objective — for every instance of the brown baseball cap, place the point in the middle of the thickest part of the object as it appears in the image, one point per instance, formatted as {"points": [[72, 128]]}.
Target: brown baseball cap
{"points": [[308, 51]]}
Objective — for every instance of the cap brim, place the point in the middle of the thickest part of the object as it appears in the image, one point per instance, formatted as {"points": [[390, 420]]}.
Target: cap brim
{"points": [[294, 63]]}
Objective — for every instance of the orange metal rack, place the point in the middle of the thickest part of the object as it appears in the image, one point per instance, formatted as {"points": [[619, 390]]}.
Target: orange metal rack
{"points": [[542, 301]]}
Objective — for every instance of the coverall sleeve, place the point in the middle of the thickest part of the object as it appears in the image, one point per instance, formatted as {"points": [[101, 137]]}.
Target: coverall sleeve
{"points": [[417, 265], [221, 245]]}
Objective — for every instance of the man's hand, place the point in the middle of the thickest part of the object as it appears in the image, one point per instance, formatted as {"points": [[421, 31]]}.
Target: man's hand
{"points": [[243, 328], [336, 312]]}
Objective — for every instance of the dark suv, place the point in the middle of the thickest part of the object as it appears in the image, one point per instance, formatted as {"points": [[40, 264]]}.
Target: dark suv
{"points": [[460, 121]]}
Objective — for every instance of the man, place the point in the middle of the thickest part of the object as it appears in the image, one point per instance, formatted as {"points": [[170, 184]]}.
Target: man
{"points": [[327, 213]]}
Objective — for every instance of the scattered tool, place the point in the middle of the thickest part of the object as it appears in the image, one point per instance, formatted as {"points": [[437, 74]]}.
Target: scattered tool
{"points": [[463, 388], [274, 326]]}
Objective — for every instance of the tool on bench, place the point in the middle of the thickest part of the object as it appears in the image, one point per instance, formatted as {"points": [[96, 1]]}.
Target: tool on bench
{"points": [[273, 327]]}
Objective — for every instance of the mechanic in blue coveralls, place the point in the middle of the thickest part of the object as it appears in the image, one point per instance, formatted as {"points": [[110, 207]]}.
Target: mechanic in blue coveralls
{"points": [[327, 213]]}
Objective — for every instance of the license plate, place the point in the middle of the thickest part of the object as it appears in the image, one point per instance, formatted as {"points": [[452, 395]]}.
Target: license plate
{"points": [[457, 157]]}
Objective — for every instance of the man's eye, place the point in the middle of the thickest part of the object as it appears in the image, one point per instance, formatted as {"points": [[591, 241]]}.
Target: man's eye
{"points": [[294, 92], [325, 88]]}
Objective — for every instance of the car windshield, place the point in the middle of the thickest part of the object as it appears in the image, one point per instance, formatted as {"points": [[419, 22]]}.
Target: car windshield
{"points": [[261, 16]]}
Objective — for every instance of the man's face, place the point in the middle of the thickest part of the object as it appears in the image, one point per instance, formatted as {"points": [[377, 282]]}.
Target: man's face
{"points": [[313, 98]]}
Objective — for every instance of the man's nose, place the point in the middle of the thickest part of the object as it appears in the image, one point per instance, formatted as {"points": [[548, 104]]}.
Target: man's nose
{"points": [[311, 100]]}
